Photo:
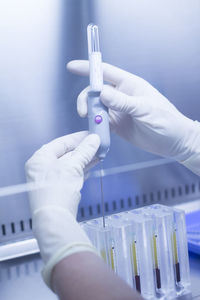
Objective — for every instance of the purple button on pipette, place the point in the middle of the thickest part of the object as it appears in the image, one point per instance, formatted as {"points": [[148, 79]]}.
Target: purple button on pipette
{"points": [[98, 119]]}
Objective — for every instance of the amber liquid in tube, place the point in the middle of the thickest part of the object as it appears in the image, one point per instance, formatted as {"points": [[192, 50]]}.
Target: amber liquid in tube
{"points": [[157, 270], [176, 260], [135, 267]]}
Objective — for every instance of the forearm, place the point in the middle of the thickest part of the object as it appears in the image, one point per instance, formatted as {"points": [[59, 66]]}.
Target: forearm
{"points": [[84, 276]]}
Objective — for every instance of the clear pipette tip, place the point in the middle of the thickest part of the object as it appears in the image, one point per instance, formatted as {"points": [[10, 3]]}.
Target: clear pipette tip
{"points": [[93, 38]]}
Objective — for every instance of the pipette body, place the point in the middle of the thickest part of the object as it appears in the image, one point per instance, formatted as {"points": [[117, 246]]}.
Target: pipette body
{"points": [[97, 111]]}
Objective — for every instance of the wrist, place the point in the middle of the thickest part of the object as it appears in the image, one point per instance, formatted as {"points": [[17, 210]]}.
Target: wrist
{"points": [[59, 235], [62, 253], [193, 163], [190, 156], [55, 228]]}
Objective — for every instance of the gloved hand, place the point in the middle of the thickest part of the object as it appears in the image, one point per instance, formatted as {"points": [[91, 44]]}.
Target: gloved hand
{"points": [[143, 116], [58, 168]]}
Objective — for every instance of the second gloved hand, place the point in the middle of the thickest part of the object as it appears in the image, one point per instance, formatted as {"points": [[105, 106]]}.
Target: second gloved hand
{"points": [[59, 168], [143, 116]]}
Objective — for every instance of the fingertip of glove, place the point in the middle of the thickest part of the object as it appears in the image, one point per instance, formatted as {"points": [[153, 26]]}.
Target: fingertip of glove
{"points": [[82, 104], [71, 65], [86, 150], [107, 93], [77, 66], [82, 111], [82, 114], [94, 139], [107, 89]]}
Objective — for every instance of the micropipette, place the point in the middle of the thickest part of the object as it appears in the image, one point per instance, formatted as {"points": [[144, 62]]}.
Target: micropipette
{"points": [[97, 111]]}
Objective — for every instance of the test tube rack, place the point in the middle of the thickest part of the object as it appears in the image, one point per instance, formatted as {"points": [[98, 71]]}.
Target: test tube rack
{"points": [[146, 247]]}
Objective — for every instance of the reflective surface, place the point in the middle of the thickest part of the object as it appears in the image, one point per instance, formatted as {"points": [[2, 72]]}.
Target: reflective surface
{"points": [[21, 279], [158, 41]]}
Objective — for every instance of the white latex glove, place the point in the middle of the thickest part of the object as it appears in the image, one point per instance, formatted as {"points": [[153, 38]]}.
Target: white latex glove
{"points": [[143, 116], [59, 167]]}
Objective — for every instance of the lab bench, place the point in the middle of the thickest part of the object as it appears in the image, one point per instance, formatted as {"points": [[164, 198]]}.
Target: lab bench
{"points": [[21, 265], [20, 278]]}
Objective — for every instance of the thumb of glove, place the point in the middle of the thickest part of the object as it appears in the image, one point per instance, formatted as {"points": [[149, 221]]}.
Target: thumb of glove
{"points": [[86, 150]]}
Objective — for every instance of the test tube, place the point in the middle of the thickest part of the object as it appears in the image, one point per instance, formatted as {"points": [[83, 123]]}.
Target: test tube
{"points": [[179, 249], [101, 238], [141, 253], [146, 247], [135, 264], [176, 257], [182, 268], [121, 240], [162, 250], [156, 261]]}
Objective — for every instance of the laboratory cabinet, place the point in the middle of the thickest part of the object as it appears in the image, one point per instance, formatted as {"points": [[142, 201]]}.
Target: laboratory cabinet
{"points": [[156, 40]]}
